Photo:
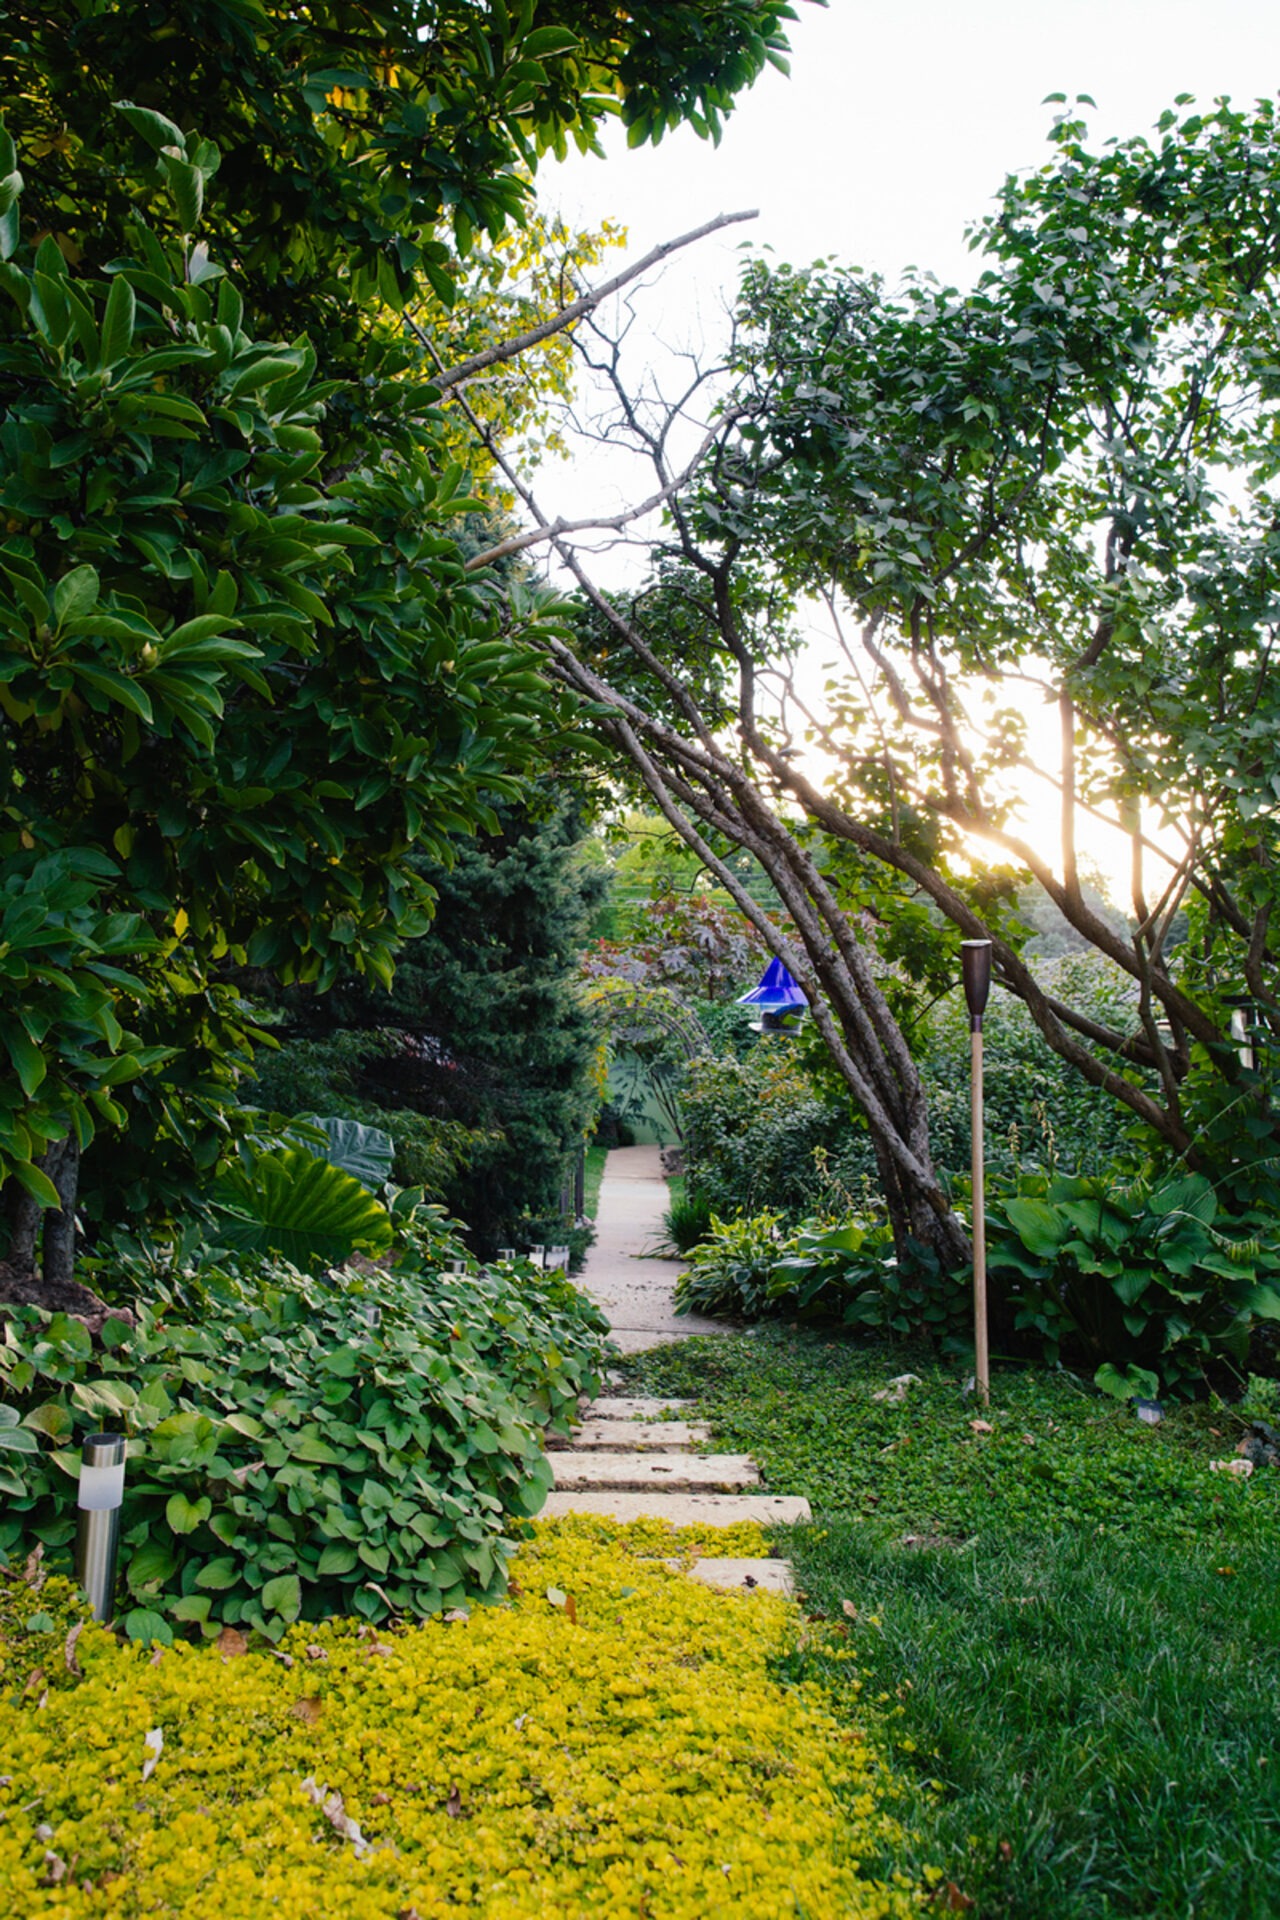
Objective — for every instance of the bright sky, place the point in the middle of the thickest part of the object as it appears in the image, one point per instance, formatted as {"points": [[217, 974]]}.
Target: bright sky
{"points": [[891, 135]]}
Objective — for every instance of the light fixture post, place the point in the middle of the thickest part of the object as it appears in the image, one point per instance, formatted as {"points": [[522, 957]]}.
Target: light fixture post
{"points": [[975, 963], [98, 1529]]}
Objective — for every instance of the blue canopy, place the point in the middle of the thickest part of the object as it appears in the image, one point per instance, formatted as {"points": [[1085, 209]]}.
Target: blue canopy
{"points": [[777, 992]]}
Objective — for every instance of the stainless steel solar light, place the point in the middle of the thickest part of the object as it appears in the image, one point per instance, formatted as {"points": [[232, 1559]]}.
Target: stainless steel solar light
{"points": [[98, 1532]]}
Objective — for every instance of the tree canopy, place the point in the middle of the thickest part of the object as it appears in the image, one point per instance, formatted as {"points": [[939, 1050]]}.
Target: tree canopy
{"points": [[245, 674], [1057, 485]]}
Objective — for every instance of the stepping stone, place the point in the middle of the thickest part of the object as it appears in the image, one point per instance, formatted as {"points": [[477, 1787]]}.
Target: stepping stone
{"points": [[632, 1407], [749, 1576], [681, 1509], [626, 1436], [639, 1472]]}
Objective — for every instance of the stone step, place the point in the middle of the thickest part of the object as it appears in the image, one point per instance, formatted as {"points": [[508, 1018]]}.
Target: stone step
{"points": [[629, 1436], [749, 1576], [632, 1407], [681, 1509], [638, 1472]]}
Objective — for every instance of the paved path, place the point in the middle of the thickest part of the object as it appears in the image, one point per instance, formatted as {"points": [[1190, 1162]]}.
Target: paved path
{"points": [[629, 1458], [636, 1292]]}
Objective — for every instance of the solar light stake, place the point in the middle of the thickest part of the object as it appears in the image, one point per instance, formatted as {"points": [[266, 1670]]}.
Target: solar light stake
{"points": [[975, 962], [98, 1531]]}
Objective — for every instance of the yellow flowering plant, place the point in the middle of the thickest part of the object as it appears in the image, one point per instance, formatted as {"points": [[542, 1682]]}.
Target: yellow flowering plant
{"points": [[611, 1742]]}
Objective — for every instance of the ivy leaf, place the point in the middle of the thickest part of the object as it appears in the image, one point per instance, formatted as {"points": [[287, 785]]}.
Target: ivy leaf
{"points": [[283, 1595], [184, 1515]]}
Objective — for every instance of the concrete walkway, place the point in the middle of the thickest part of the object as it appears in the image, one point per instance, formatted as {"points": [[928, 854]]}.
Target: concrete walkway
{"points": [[628, 1458], [635, 1293]]}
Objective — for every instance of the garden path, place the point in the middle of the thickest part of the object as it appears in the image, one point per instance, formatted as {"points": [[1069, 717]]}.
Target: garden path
{"points": [[631, 1459], [632, 1287]]}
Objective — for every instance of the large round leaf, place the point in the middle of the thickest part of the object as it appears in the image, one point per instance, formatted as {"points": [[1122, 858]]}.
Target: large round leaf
{"points": [[304, 1208], [366, 1153]]}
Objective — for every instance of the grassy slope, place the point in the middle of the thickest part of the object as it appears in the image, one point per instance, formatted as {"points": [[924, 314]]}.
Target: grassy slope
{"points": [[1079, 1620]]}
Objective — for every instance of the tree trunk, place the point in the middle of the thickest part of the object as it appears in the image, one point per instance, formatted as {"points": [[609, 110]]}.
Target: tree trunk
{"points": [[58, 1247], [21, 1216], [52, 1285]]}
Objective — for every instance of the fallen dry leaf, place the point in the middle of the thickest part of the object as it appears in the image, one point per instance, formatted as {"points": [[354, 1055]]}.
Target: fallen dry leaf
{"points": [[55, 1869], [309, 1709], [954, 1901], [154, 1744], [453, 1805], [571, 1609], [847, 1606], [33, 1680], [231, 1643], [330, 1805], [69, 1650], [380, 1800], [316, 1653], [981, 1426], [1006, 1852]]}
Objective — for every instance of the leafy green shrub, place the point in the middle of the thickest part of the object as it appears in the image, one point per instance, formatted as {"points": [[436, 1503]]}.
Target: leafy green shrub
{"points": [[846, 1271], [292, 1452], [1041, 1116], [299, 1206], [687, 1219], [1135, 1277], [759, 1134], [319, 1075], [729, 1272]]}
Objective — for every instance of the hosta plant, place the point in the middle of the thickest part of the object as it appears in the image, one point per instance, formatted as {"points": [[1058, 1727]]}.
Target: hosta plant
{"points": [[1145, 1279]]}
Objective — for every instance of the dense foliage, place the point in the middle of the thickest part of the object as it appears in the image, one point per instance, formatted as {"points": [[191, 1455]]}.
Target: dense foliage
{"points": [[760, 1132], [300, 1447], [614, 1740], [1141, 1278], [481, 1060], [245, 673], [845, 1271]]}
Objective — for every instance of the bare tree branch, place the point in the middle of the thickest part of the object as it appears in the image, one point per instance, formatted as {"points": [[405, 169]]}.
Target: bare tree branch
{"points": [[533, 336]]}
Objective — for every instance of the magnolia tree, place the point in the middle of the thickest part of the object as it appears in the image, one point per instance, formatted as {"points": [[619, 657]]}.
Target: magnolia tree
{"points": [[1061, 481], [244, 672]]}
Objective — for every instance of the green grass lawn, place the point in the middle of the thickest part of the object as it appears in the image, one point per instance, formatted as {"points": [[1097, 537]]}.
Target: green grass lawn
{"points": [[596, 1157], [1078, 1621]]}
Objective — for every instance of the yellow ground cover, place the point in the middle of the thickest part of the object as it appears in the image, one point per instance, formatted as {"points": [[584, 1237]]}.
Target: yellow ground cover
{"points": [[608, 1744]]}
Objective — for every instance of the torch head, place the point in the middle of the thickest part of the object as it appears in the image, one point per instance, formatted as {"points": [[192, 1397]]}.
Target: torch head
{"points": [[975, 966]]}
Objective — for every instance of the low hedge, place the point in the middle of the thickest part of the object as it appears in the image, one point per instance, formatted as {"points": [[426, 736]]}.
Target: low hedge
{"points": [[288, 1458]]}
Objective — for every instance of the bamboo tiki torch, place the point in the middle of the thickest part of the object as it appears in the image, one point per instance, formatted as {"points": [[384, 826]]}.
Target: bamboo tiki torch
{"points": [[975, 961]]}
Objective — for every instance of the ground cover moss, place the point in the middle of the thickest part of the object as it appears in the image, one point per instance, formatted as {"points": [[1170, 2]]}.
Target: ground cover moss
{"points": [[613, 1741], [1056, 1455]]}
